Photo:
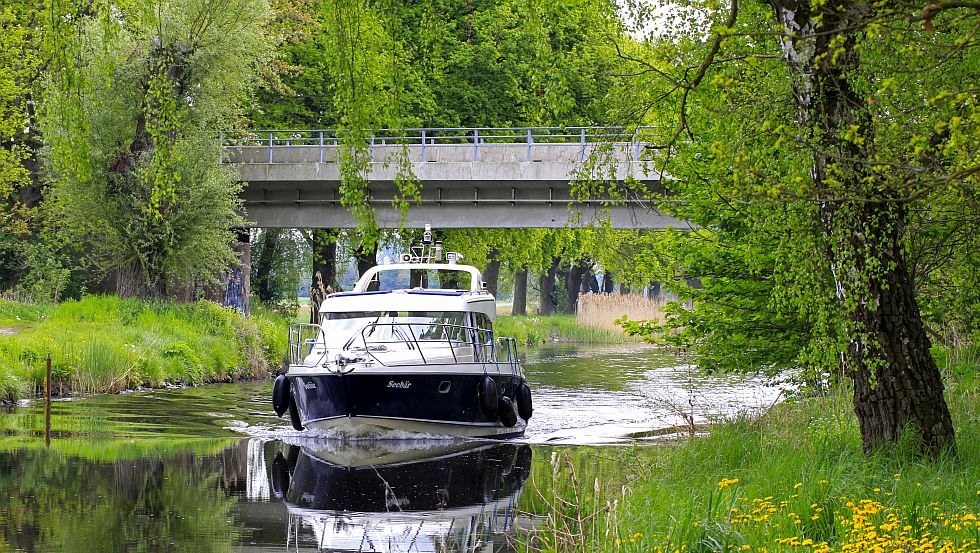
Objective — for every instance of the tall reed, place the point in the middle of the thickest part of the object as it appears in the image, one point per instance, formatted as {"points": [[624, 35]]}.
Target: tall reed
{"points": [[602, 310]]}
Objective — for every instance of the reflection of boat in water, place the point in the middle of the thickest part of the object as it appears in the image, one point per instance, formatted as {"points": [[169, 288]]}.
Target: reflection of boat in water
{"points": [[398, 497], [410, 348]]}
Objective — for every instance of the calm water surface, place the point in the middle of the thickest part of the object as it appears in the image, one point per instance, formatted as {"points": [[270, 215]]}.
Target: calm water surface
{"points": [[213, 469]]}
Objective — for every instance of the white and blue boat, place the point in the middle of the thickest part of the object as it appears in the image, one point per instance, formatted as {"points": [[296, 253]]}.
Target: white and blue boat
{"points": [[410, 348]]}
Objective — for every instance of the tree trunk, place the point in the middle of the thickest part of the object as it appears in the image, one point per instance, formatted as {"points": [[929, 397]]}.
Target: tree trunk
{"points": [[546, 284], [897, 385], [265, 260], [573, 285], [607, 283], [237, 279], [366, 259], [520, 293], [323, 243], [492, 273], [653, 290], [624, 288]]}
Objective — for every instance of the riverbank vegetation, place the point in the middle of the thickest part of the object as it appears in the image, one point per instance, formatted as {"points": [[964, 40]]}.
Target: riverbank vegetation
{"points": [[103, 344], [542, 329], [794, 479]]}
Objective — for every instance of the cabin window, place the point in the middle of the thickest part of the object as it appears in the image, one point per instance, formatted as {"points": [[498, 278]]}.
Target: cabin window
{"points": [[484, 328]]}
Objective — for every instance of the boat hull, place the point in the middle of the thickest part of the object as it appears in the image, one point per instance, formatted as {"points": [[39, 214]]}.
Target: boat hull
{"points": [[431, 403]]}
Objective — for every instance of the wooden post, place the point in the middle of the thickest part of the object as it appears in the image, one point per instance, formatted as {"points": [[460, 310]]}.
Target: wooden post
{"points": [[47, 404]]}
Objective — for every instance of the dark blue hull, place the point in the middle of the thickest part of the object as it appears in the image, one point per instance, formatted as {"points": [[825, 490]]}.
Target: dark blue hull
{"points": [[473, 477], [433, 403]]}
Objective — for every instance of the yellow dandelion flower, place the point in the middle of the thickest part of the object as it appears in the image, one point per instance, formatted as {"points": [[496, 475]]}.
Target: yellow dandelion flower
{"points": [[725, 482]]}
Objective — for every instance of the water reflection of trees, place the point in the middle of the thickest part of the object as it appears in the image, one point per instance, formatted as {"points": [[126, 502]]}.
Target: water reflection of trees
{"points": [[162, 503]]}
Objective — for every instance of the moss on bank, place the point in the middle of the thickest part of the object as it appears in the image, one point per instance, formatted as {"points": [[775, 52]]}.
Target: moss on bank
{"points": [[103, 344]]}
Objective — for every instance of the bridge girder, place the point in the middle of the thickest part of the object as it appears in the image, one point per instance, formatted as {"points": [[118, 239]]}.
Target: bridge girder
{"points": [[518, 187]]}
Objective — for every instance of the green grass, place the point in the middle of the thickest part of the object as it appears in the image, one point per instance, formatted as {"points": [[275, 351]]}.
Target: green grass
{"points": [[794, 480], [103, 344], [14, 314], [542, 329]]}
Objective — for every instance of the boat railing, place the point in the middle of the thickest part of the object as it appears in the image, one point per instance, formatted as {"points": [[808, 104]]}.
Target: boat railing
{"points": [[302, 338], [402, 343], [508, 348]]}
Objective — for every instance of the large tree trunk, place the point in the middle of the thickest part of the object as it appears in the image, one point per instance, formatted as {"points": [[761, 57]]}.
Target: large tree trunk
{"points": [[546, 302], [323, 281], [492, 272], [270, 251], [520, 293], [573, 284], [897, 385], [237, 280], [366, 259], [323, 244]]}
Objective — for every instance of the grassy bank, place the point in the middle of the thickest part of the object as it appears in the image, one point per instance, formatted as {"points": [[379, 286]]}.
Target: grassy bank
{"points": [[540, 329], [104, 344], [794, 480]]}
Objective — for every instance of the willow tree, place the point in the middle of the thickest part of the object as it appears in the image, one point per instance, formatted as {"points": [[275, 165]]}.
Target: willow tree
{"points": [[809, 135], [20, 63], [136, 98]]}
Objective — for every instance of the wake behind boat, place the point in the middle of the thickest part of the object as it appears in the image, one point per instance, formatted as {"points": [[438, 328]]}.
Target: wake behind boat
{"points": [[410, 348]]}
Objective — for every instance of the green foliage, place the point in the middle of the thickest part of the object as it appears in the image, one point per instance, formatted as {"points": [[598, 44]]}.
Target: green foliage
{"points": [[131, 121], [361, 66], [797, 471], [105, 344], [279, 259], [787, 256], [20, 63]]}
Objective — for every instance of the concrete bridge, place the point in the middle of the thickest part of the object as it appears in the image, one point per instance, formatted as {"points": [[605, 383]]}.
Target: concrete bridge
{"points": [[469, 178]]}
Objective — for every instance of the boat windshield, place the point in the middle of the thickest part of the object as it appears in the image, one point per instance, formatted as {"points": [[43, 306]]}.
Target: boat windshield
{"points": [[394, 325], [438, 279]]}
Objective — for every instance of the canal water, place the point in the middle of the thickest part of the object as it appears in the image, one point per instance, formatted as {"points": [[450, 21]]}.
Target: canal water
{"points": [[213, 469]]}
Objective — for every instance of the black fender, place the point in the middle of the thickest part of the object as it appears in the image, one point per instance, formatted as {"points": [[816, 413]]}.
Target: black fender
{"points": [[488, 396], [280, 395], [294, 414], [508, 416], [280, 476], [523, 397]]}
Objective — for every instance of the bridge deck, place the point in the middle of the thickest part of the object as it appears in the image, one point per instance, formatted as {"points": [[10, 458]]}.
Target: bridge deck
{"points": [[295, 182]]}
